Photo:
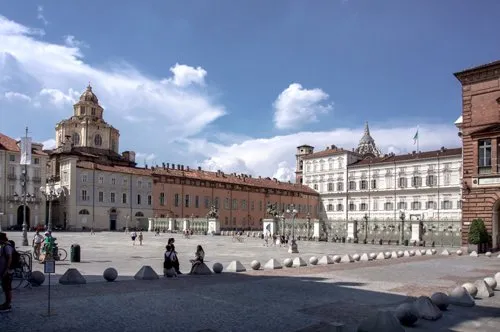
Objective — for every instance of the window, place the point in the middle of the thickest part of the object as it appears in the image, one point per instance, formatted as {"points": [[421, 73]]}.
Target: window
{"points": [[84, 212], [330, 186], [162, 199], [484, 156], [402, 182], [139, 184], [176, 200], [459, 204], [101, 179], [125, 181], [12, 157], [388, 181], [363, 185], [446, 178], [186, 201], [253, 205], [76, 139], [12, 189], [315, 186], [243, 204], [150, 185], [113, 181], [235, 204], [340, 186], [226, 203], [207, 202], [430, 205], [37, 161], [84, 195], [124, 198], [402, 205], [216, 202], [84, 177], [82, 110], [375, 205], [340, 207], [197, 201], [416, 181], [260, 205], [388, 206], [329, 207], [97, 140], [430, 180], [112, 197], [93, 111], [446, 205], [374, 184], [416, 205], [149, 199], [352, 185], [352, 207], [363, 207], [330, 165], [101, 197], [138, 199]]}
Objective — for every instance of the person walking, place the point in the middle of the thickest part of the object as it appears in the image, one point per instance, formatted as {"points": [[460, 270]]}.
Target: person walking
{"points": [[6, 252], [141, 237], [37, 244], [133, 236]]}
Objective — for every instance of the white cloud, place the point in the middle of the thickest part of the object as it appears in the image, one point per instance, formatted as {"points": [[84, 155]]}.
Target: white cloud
{"points": [[296, 106], [275, 156], [144, 158], [49, 144], [137, 119], [40, 16], [59, 98], [58, 69], [13, 96], [71, 41], [186, 75]]}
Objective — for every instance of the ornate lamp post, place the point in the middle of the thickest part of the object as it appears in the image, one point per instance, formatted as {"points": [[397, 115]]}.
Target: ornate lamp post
{"points": [[283, 224], [156, 223], [365, 217], [25, 199], [51, 193], [308, 217], [293, 249], [402, 216]]}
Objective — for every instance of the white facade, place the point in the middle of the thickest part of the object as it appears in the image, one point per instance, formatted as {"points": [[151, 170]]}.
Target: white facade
{"points": [[425, 186]]}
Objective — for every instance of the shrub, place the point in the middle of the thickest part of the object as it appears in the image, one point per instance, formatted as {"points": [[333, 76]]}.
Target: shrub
{"points": [[477, 232]]}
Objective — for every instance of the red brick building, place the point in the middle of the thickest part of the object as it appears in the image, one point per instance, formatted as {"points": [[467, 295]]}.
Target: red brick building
{"points": [[481, 138], [241, 199]]}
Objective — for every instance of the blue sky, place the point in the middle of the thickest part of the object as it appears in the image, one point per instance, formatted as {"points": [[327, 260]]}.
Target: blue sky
{"points": [[237, 85]]}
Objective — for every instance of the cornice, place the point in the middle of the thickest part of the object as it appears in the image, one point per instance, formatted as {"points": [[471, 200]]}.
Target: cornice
{"points": [[479, 74]]}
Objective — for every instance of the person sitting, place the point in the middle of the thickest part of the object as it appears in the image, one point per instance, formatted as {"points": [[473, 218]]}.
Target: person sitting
{"points": [[199, 256], [168, 263]]}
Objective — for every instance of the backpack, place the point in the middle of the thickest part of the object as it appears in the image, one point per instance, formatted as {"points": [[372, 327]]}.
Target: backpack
{"points": [[167, 264], [16, 258]]}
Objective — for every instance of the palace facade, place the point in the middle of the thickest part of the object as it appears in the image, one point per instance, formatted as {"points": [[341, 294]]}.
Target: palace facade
{"points": [[11, 177], [480, 131], [362, 183]]}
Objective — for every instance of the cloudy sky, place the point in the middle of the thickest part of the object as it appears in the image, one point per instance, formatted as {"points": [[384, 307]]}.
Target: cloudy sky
{"points": [[238, 85]]}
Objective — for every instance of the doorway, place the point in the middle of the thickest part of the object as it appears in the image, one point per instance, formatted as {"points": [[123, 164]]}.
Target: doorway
{"points": [[495, 222], [112, 219], [20, 216]]}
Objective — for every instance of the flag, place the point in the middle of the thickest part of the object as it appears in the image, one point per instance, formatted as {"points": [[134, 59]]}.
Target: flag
{"points": [[415, 138], [25, 151]]}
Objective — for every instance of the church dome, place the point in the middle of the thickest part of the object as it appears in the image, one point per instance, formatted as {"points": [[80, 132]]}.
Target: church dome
{"points": [[88, 95], [367, 144]]}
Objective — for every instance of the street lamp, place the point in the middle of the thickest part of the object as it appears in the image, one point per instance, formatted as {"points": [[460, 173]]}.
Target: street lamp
{"points": [[402, 216], [1, 215], [293, 249], [25, 199], [51, 193], [283, 224], [308, 217], [365, 217]]}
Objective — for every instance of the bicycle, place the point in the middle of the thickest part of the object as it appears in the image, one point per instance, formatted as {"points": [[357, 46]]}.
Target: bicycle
{"points": [[238, 238], [22, 275], [61, 254]]}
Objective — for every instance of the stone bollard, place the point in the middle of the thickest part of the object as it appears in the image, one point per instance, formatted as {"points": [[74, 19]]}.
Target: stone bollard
{"points": [[217, 267], [255, 265], [110, 274]]}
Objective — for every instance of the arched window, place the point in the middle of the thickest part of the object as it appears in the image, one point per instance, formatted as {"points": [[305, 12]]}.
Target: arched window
{"points": [[84, 211], [97, 140], [76, 139], [82, 110], [139, 214]]}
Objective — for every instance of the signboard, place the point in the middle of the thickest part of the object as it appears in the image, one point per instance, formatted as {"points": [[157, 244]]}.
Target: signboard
{"points": [[25, 151], [49, 266], [489, 181]]}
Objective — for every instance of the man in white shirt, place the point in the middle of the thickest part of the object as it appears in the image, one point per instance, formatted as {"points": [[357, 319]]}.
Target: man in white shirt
{"points": [[37, 244]]}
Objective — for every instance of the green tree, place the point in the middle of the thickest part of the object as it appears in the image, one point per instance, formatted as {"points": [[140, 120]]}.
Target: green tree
{"points": [[477, 232]]}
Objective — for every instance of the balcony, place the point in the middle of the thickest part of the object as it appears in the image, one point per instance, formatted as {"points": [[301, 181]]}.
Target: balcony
{"points": [[11, 176]]}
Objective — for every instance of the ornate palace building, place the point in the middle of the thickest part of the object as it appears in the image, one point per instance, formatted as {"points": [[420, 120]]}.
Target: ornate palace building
{"points": [[480, 129], [362, 183], [102, 188], [11, 199]]}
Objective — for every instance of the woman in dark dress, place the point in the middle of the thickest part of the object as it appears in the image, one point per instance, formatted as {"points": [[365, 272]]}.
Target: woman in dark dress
{"points": [[175, 263]]}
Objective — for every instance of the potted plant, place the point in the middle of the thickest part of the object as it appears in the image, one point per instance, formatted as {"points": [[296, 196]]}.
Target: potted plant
{"points": [[478, 236]]}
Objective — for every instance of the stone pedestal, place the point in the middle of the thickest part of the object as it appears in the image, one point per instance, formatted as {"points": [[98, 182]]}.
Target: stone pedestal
{"points": [[171, 225], [213, 226], [416, 232], [151, 225], [185, 225], [316, 230], [352, 226], [270, 226]]}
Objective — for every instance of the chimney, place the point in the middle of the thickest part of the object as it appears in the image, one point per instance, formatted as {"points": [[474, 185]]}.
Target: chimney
{"points": [[146, 166], [187, 168], [163, 165], [199, 168], [173, 166], [182, 167], [178, 167], [443, 149]]}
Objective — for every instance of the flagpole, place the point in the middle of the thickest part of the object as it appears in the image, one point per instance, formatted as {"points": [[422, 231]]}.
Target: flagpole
{"points": [[418, 141]]}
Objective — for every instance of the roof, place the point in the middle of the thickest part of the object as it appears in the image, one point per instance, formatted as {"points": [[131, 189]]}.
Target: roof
{"points": [[392, 158], [327, 153], [479, 73], [197, 174], [472, 69], [9, 144]]}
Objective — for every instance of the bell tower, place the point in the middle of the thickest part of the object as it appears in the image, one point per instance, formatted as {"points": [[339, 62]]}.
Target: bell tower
{"points": [[302, 151]]}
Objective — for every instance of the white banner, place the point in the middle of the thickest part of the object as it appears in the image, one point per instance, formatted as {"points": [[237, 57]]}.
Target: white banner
{"points": [[25, 151]]}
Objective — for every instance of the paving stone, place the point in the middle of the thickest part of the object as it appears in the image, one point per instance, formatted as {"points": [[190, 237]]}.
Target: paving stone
{"points": [[356, 257], [313, 260], [483, 290], [72, 277], [459, 296], [387, 254], [201, 270], [384, 321], [255, 264], [272, 264], [288, 262], [427, 309], [325, 260], [146, 273], [372, 256], [400, 253], [337, 258], [412, 253], [235, 266], [299, 262]]}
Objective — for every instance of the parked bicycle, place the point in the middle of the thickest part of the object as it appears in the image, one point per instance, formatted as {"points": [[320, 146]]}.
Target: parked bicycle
{"points": [[22, 275]]}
